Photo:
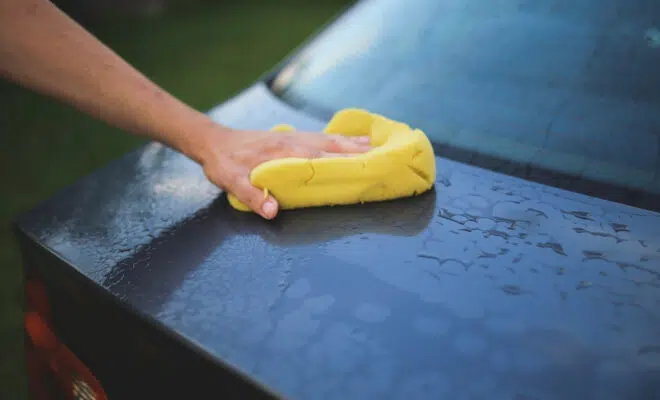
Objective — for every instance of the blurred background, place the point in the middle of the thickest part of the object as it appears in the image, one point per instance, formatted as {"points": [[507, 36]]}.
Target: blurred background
{"points": [[202, 51]]}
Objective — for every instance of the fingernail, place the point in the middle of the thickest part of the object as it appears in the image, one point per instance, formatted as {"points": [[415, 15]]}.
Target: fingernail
{"points": [[363, 139], [269, 208]]}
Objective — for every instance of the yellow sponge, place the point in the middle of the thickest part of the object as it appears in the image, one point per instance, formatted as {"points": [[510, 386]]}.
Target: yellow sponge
{"points": [[401, 164]]}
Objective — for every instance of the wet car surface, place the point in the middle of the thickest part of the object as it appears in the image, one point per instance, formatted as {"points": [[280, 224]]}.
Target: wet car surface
{"points": [[488, 287]]}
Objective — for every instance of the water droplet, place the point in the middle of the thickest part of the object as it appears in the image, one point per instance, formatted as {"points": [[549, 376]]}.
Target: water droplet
{"points": [[583, 285], [513, 290], [652, 37]]}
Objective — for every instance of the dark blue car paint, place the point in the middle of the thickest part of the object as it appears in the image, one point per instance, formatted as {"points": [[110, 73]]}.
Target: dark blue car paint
{"points": [[562, 92], [488, 287]]}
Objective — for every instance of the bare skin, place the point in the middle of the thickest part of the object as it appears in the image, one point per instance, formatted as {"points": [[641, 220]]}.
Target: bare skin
{"points": [[44, 50]]}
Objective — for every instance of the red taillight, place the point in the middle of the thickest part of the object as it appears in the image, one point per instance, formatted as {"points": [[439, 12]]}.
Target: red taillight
{"points": [[36, 298], [54, 371]]}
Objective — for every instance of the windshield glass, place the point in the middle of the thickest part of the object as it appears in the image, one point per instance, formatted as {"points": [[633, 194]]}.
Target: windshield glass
{"points": [[568, 86]]}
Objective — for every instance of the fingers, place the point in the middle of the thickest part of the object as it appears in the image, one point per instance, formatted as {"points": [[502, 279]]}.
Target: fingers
{"points": [[234, 178], [311, 146], [343, 144], [319, 145], [230, 169], [327, 154], [258, 201], [359, 139]]}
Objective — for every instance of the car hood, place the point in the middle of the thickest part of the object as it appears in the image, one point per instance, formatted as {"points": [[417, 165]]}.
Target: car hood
{"points": [[489, 286]]}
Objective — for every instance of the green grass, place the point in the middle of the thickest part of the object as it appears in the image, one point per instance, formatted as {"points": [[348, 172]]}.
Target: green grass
{"points": [[203, 54]]}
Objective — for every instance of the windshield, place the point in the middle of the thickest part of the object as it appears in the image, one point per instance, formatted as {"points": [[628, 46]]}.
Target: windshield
{"points": [[571, 87]]}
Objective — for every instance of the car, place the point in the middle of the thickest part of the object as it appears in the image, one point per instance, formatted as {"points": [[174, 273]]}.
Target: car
{"points": [[530, 271]]}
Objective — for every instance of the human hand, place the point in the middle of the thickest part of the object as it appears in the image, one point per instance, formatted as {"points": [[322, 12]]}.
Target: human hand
{"points": [[229, 156]]}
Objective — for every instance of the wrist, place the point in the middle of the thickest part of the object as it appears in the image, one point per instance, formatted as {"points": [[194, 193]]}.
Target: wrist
{"points": [[200, 141]]}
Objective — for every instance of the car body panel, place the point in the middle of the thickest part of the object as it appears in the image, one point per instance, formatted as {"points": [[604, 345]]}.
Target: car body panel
{"points": [[489, 286], [565, 89]]}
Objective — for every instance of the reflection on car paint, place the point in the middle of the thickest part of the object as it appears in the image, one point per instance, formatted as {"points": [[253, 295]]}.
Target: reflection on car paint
{"points": [[489, 286], [653, 37]]}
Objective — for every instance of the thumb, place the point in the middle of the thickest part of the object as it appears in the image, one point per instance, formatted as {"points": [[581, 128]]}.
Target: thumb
{"points": [[256, 199]]}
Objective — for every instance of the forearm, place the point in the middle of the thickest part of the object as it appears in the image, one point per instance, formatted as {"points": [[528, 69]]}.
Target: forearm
{"points": [[44, 50]]}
